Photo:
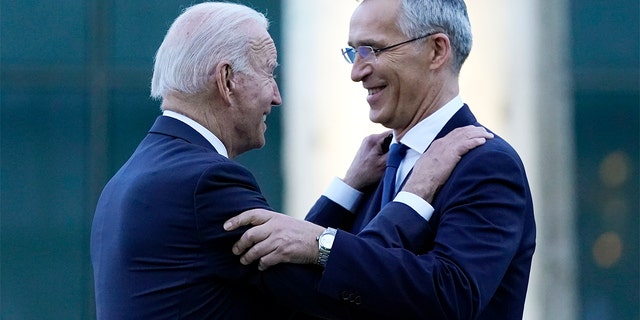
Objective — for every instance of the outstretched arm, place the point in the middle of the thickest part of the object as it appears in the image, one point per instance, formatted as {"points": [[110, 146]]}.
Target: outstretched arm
{"points": [[278, 238]]}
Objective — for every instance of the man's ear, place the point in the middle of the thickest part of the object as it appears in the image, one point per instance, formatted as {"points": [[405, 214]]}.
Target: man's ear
{"points": [[224, 80], [440, 50]]}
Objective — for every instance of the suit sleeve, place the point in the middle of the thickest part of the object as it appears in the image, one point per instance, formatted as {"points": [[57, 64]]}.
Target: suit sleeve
{"points": [[397, 225], [327, 213], [479, 223], [227, 190], [223, 191]]}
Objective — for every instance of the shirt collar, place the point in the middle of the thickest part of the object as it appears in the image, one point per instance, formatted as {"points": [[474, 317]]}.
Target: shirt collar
{"points": [[422, 134], [215, 142]]}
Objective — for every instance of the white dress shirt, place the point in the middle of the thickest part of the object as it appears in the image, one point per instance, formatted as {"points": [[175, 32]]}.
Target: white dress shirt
{"points": [[215, 142], [417, 139]]}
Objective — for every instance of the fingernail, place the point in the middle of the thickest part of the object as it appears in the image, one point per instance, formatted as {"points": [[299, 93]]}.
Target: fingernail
{"points": [[227, 225]]}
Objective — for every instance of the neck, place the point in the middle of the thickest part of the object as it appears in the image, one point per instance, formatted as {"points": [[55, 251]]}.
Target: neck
{"points": [[202, 110], [436, 98]]}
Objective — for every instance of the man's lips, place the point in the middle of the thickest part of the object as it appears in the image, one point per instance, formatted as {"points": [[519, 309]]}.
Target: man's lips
{"points": [[373, 91]]}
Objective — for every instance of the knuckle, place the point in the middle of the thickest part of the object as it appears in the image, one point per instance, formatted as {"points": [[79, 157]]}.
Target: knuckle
{"points": [[248, 236]]}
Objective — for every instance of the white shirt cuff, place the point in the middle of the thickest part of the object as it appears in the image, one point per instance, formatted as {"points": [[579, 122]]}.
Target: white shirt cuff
{"points": [[343, 194], [422, 207]]}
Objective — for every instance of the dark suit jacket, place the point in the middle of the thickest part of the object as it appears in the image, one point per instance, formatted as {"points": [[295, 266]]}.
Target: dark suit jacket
{"points": [[159, 251], [158, 248], [473, 256]]}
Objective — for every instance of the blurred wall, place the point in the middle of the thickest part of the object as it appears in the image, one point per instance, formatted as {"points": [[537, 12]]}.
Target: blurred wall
{"points": [[605, 57]]}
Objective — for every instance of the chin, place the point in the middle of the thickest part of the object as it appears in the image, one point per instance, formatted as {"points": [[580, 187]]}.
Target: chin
{"points": [[376, 117]]}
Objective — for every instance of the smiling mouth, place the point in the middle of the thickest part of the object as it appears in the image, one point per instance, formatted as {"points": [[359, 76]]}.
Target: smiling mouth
{"points": [[373, 91]]}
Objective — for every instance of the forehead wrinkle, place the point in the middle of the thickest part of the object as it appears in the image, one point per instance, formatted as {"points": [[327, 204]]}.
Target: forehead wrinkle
{"points": [[263, 48], [261, 44]]}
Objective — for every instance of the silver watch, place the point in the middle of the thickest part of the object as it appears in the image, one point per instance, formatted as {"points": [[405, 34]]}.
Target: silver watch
{"points": [[325, 242]]}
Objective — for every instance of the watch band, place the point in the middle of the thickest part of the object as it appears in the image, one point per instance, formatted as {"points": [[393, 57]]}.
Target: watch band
{"points": [[325, 242]]}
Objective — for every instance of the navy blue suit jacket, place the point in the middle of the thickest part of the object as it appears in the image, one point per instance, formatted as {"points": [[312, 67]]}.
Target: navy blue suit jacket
{"points": [[159, 251], [158, 248], [470, 261]]}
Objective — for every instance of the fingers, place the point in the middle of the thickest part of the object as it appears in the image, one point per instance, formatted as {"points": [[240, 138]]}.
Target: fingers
{"points": [[270, 257], [273, 258], [433, 168], [253, 247], [257, 217], [471, 132], [475, 142], [461, 140], [266, 253], [368, 165], [277, 239], [377, 141], [473, 137], [250, 217], [253, 237], [268, 261]]}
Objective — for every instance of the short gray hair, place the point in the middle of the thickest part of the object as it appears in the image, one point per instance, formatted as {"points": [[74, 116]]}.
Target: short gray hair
{"points": [[419, 17], [201, 37]]}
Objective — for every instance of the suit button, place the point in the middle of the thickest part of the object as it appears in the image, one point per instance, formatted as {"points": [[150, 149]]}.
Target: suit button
{"points": [[351, 297]]}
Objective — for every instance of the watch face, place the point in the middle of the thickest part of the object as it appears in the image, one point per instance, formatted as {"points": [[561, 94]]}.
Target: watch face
{"points": [[326, 240]]}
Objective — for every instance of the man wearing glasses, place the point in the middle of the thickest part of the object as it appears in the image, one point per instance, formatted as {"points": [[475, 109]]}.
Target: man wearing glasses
{"points": [[158, 248], [461, 253]]}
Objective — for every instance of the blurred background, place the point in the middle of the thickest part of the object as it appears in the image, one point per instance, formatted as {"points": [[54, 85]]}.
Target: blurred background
{"points": [[559, 79]]}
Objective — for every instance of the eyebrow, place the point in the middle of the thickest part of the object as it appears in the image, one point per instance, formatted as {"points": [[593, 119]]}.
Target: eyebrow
{"points": [[365, 42]]}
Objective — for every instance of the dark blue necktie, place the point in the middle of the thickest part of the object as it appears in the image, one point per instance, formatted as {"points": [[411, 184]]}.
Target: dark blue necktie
{"points": [[396, 153]]}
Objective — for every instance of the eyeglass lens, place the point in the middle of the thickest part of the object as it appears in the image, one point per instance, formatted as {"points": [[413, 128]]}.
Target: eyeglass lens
{"points": [[350, 53], [366, 51]]}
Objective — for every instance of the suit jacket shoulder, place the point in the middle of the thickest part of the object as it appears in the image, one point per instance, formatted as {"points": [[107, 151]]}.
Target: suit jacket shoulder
{"points": [[158, 230]]}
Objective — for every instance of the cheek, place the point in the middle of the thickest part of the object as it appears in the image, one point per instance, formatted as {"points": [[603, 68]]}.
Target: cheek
{"points": [[409, 88], [260, 92]]}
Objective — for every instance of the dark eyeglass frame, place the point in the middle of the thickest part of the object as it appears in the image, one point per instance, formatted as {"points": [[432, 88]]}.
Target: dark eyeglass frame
{"points": [[350, 52]]}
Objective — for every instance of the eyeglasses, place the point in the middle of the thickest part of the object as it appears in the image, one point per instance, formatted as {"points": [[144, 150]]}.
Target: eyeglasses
{"points": [[367, 52]]}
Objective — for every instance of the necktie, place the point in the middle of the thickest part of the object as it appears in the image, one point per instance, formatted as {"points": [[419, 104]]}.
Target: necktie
{"points": [[396, 154]]}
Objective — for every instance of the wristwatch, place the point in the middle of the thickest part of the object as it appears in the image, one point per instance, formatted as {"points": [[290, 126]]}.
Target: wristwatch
{"points": [[325, 242]]}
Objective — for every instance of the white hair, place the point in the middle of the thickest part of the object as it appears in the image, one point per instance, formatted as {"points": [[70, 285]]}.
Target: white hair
{"points": [[201, 37]]}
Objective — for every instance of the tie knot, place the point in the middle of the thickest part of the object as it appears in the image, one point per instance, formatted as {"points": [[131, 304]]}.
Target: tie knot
{"points": [[396, 153]]}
